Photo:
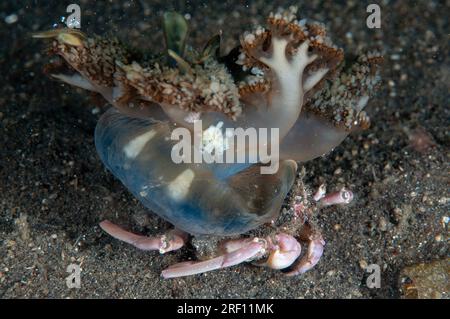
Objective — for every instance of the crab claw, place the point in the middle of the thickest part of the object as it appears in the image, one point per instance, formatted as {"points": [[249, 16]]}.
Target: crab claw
{"points": [[285, 251], [173, 240], [247, 252], [312, 256]]}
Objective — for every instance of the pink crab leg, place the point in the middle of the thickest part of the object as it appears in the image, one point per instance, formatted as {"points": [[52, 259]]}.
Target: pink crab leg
{"points": [[227, 260], [231, 245], [312, 257], [173, 240], [344, 196]]}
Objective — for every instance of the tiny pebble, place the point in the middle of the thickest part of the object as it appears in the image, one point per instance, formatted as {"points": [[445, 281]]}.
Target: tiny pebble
{"points": [[331, 273], [363, 264], [383, 224], [445, 220], [12, 18]]}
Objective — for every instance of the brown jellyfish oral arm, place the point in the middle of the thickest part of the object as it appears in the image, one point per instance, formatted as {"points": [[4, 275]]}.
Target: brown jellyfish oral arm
{"points": [[288, 103], [93, 63], [173, 240], [283, 50], [287, 89], [63, 41], [71, 46]]}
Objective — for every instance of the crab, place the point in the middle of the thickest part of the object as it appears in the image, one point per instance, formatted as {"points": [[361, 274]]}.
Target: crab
{"points": [[287, 76]]}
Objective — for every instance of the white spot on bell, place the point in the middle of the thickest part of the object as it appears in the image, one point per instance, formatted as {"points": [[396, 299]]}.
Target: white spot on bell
{"points": [[135, 146], [179, 187]]}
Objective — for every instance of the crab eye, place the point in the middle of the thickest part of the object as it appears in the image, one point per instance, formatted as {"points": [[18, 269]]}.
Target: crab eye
{"points": [[346, 195]]}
